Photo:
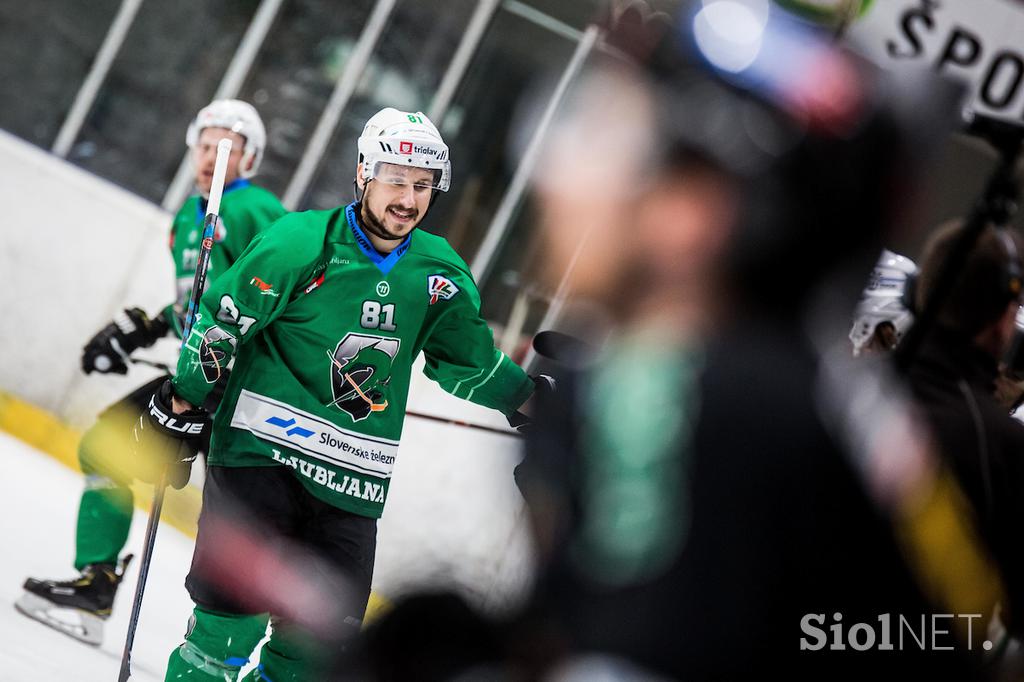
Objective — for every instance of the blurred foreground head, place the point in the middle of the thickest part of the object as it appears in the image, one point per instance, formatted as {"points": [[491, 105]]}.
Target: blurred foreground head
{"points": [[745, 157]]}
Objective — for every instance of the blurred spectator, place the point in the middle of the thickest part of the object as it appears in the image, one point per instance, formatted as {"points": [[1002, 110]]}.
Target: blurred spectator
{"points": [[711, 489], [954, 376]]}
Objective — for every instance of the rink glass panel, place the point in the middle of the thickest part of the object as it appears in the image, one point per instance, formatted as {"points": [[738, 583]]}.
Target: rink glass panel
{"points": [[175, 54], [405, 70], [46, 48], [294, 74], [512, 58], [575, 13], [514, 286], [172, 60]]}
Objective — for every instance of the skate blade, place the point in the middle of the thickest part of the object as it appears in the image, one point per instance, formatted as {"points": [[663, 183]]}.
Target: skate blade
{"points": [[82, 625]]}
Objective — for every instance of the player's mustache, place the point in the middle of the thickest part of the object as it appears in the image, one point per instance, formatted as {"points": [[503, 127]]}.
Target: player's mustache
{"points": [[403, 209]]}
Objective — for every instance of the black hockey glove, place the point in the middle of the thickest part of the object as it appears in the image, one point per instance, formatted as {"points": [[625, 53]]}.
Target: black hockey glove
{"points": [[522, 422], [161, 438], [109, 349]]}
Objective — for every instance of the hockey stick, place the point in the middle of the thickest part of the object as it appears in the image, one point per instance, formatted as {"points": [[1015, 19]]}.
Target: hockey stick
{"points": [[198, 284], [464, 424]]}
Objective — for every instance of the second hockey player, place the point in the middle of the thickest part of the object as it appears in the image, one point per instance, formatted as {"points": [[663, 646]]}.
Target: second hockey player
{"points": [[80, 606]]}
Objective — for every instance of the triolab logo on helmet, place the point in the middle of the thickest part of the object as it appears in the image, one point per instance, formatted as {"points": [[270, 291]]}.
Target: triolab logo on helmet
{"points": [[410, 148]]}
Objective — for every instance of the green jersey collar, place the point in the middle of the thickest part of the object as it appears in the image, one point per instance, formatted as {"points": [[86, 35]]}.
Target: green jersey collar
{"points": [[239, 183], [383, 263]]}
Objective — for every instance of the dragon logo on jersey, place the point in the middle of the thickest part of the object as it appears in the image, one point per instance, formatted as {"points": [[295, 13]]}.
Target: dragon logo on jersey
{"points": [[214, 360], [440, 288], [360, 374]]}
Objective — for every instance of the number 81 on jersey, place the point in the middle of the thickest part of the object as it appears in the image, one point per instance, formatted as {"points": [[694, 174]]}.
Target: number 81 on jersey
{"points": [[377, 316]]}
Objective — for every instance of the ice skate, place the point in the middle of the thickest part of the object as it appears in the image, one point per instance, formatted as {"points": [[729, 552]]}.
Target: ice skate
{"points": [[76, 607]]}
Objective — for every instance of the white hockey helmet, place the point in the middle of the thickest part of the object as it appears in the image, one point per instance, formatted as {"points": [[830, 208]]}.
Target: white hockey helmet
{"points": [[405, 139], [886, 298], [239, 117]]}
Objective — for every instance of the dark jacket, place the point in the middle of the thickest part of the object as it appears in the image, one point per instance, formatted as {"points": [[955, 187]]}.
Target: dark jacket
{"points": [[954, 382], [776, 524]]}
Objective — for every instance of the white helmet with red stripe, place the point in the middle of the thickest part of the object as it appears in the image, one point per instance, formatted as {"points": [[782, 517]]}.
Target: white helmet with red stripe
{"points": [[239, 117], [405, 139]]}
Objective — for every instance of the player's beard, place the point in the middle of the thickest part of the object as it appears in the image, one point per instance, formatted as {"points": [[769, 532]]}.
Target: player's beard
{"points": [[375, 225]]}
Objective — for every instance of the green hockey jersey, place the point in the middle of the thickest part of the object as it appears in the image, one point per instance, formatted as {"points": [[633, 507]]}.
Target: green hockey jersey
{"points": [[245, 210], [325, 330]]}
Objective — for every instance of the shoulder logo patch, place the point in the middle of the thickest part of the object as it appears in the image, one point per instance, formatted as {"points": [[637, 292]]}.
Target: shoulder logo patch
{"points": [[265, 288], [440, 287]]}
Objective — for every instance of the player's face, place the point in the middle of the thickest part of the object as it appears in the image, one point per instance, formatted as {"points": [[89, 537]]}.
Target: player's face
{"points": [[397, 199], [204, 154]]}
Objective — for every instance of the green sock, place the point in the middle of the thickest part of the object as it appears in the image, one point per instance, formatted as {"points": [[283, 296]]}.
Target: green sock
{"points": [[105, 511], [104, 519], [288, 656], [216, 647]]}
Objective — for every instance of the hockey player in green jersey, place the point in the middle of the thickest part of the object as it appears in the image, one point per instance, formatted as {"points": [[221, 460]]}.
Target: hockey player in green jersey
{"points": [[325, 314], [105, 509]]}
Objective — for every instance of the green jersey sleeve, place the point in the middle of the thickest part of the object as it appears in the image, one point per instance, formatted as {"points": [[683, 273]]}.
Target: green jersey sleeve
{"points": [[461, 357], [250, 295]]}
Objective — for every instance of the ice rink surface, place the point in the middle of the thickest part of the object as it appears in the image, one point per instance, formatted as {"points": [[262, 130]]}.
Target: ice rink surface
{"points": [[453, 519], [38, 502]]}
